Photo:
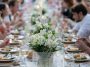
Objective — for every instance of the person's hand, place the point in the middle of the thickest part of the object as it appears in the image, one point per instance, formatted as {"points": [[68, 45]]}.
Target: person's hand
{"points": [[18, 14], [82, 44], [86, 41], [5, 43]]}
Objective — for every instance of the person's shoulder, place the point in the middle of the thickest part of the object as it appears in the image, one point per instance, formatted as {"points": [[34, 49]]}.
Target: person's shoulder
{"points": [[87, 16], [86, 20]]}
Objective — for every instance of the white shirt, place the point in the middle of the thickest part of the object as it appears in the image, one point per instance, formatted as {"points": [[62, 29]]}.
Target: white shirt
{"points": [[77, 26], [84, 30], [8, 18]]}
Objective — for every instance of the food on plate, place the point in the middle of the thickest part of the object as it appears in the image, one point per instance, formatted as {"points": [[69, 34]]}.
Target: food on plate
{"points": [[5, 49], [3, 58], [73, 49], [69, 39], [15, 32], [80, 57], [14, 42], [76, 55]]}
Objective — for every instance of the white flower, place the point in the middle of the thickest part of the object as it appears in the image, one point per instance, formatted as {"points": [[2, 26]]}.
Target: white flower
{"points": [[51, 43], [37, 39], [39, 25], [43, 32]]}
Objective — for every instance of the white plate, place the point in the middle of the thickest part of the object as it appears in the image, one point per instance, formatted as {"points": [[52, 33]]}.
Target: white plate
{"points": [[8, 61], [5, 64], [69, 42], [84, 60]]}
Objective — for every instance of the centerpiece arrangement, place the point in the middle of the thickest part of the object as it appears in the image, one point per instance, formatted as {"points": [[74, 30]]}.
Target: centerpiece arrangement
{"points": [[44, 41], [45, 45]]}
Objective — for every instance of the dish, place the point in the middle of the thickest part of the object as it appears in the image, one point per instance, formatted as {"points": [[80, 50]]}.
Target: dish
{"points": [[5, 64], [5, 60], [69, 42], [7, 50], [73, 49], [14, 43], [81, 58], [15, 32], [20, 37]]}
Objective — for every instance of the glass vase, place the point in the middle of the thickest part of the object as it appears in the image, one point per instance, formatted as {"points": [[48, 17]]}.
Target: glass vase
{"points": [[45, 59]]}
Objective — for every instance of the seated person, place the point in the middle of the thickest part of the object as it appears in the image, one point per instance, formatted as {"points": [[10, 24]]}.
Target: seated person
{"points": [[66, 8], [3, 26], [80, 14], [16, 16]]}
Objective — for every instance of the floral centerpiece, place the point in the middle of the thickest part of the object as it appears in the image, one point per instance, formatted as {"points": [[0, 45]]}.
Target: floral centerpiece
{"points": [[45, 44]]}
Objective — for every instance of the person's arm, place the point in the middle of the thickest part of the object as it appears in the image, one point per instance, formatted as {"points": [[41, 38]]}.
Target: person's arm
{"points": [[5, 43], [76, 28], [3, 32], [84, 32], [2, 36], [88, 42], [17, 21], [83, 46]]}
